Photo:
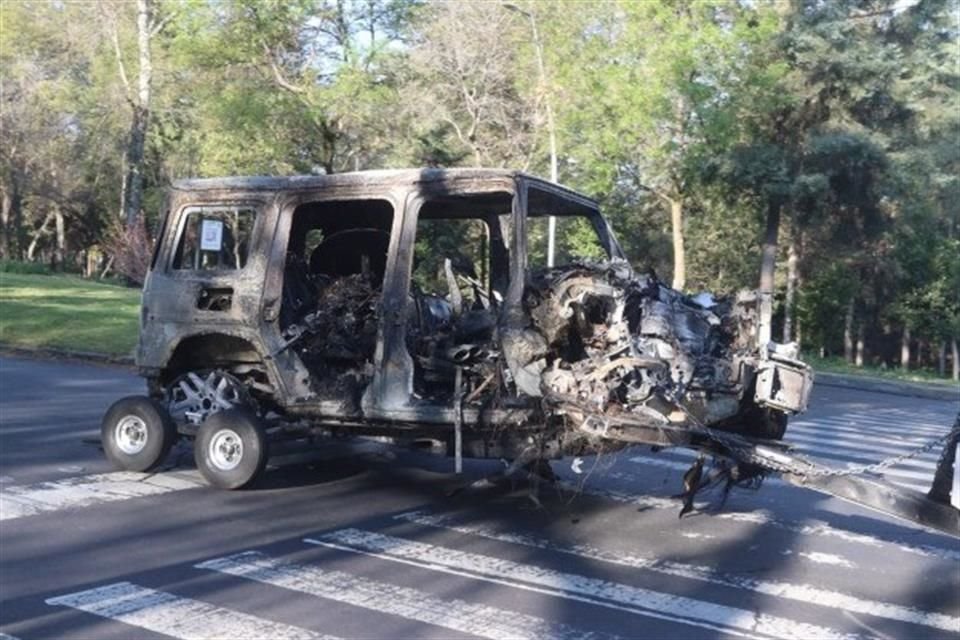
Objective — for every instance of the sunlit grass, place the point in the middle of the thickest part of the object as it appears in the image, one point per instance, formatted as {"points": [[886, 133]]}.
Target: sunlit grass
{"points": [[67, 313], [837, 364]]}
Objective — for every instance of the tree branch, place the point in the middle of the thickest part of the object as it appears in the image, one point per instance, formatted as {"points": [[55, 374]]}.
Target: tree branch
{"points": [[278, 74]]}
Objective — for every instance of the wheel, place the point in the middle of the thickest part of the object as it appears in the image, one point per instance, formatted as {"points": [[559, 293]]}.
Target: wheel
{"points": [[137, 433], [231, 448], [196, 395]]}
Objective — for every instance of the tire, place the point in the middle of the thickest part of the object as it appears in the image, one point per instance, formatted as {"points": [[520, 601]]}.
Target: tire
{"points": [[137, 433], [231, 449]]}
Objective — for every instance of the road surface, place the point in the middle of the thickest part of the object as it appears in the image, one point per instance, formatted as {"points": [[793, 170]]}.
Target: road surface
{"points": [[377, 548]]}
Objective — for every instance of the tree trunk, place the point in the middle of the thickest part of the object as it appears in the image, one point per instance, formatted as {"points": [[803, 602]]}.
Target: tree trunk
{"points": [[679, 256], [59, 255], [133, 182], [848, 332], [860, 346], [942, 360], [905, 349], [39, 233], [6, 208], [792, 277], [14, 233], [768, 264], [956, 359]]}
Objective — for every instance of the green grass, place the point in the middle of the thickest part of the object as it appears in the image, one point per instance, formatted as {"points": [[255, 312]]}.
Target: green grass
{"points": [[67, 312], [839, 365]]}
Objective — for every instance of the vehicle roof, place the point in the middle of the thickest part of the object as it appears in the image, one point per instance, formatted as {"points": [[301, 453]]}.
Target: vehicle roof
{"points": [[358, 178]]}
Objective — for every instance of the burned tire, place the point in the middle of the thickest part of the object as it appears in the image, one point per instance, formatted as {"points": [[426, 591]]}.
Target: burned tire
{"points": [[231, 449], [137, 433]]}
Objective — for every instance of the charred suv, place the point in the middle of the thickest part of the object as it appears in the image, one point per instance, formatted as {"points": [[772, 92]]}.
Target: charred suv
{"points": [[418, 305]]}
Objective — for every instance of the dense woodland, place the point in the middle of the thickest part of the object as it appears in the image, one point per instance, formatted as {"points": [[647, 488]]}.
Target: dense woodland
{"points": [[818, 138]]}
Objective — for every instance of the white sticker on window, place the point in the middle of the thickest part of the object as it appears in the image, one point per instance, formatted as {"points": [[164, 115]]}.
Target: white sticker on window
{"points": [[211, 235]]}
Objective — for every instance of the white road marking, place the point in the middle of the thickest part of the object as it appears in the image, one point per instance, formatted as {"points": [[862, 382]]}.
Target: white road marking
{"points": [[833, 559], [765, 518], [880, 447], [604, 593], [799, 592], [896, 475], [474, 619], [19, 501], [178, 617], [845, 429], [904, 428], [6, 636]]}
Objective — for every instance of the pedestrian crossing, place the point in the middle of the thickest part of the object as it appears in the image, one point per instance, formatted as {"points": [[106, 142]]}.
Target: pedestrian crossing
{"points": [[425, 543], [177, 617], [852, 439], [467, 577], [18, 501]]}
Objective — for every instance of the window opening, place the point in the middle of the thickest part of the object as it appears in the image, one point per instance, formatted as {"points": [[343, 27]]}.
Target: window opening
{"points": [[214, 239]]}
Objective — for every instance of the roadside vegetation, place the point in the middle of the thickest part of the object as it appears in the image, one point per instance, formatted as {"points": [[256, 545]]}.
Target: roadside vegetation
{"points": [[820, 140], [67, 312]]}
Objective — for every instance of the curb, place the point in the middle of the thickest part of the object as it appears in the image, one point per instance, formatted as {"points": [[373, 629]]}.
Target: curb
{"points": [[50, 353], [944, 393]]}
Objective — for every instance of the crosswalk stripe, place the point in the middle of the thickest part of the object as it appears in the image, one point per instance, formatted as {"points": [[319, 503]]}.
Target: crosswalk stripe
{"points": [[765, 518], [178, 617], [827, 448], [902, 428], [622, 597], [899, 477], [470, 618], [884, 447], [798, 592], [822, 425], [27, 500], [899, 418]]}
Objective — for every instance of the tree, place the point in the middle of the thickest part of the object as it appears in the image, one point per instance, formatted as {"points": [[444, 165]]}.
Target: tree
{"points": [[466, 87]]}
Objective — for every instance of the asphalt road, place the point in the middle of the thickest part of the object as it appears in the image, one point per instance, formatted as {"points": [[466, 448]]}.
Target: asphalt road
{"points": [[376, 548]]}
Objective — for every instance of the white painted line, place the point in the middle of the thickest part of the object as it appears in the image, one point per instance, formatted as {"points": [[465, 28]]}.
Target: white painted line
{"points": [[604, 593], [819, 557], [853, 452], [905, 428], [411, 604], [765, 518], [897, 475], [798, 592], [178, 617], [842, 428], [899, 418], [866, 443], [6, 636], [27, 500]]}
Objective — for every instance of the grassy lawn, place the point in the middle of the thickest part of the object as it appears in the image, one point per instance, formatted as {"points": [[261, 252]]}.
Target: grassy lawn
{"points": [[839, 365], [68, 313]]}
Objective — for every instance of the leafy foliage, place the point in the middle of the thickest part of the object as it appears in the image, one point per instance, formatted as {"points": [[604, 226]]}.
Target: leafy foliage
{"points": [[690, 122]]}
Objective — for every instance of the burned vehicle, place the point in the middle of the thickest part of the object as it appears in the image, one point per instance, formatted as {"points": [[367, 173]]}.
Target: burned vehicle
{"points": [[414, 304], [417, 305]]}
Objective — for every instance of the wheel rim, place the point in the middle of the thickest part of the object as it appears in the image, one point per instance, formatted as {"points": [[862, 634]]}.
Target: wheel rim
{"points": [[225, 450], [131, 435], [195, 396]]}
